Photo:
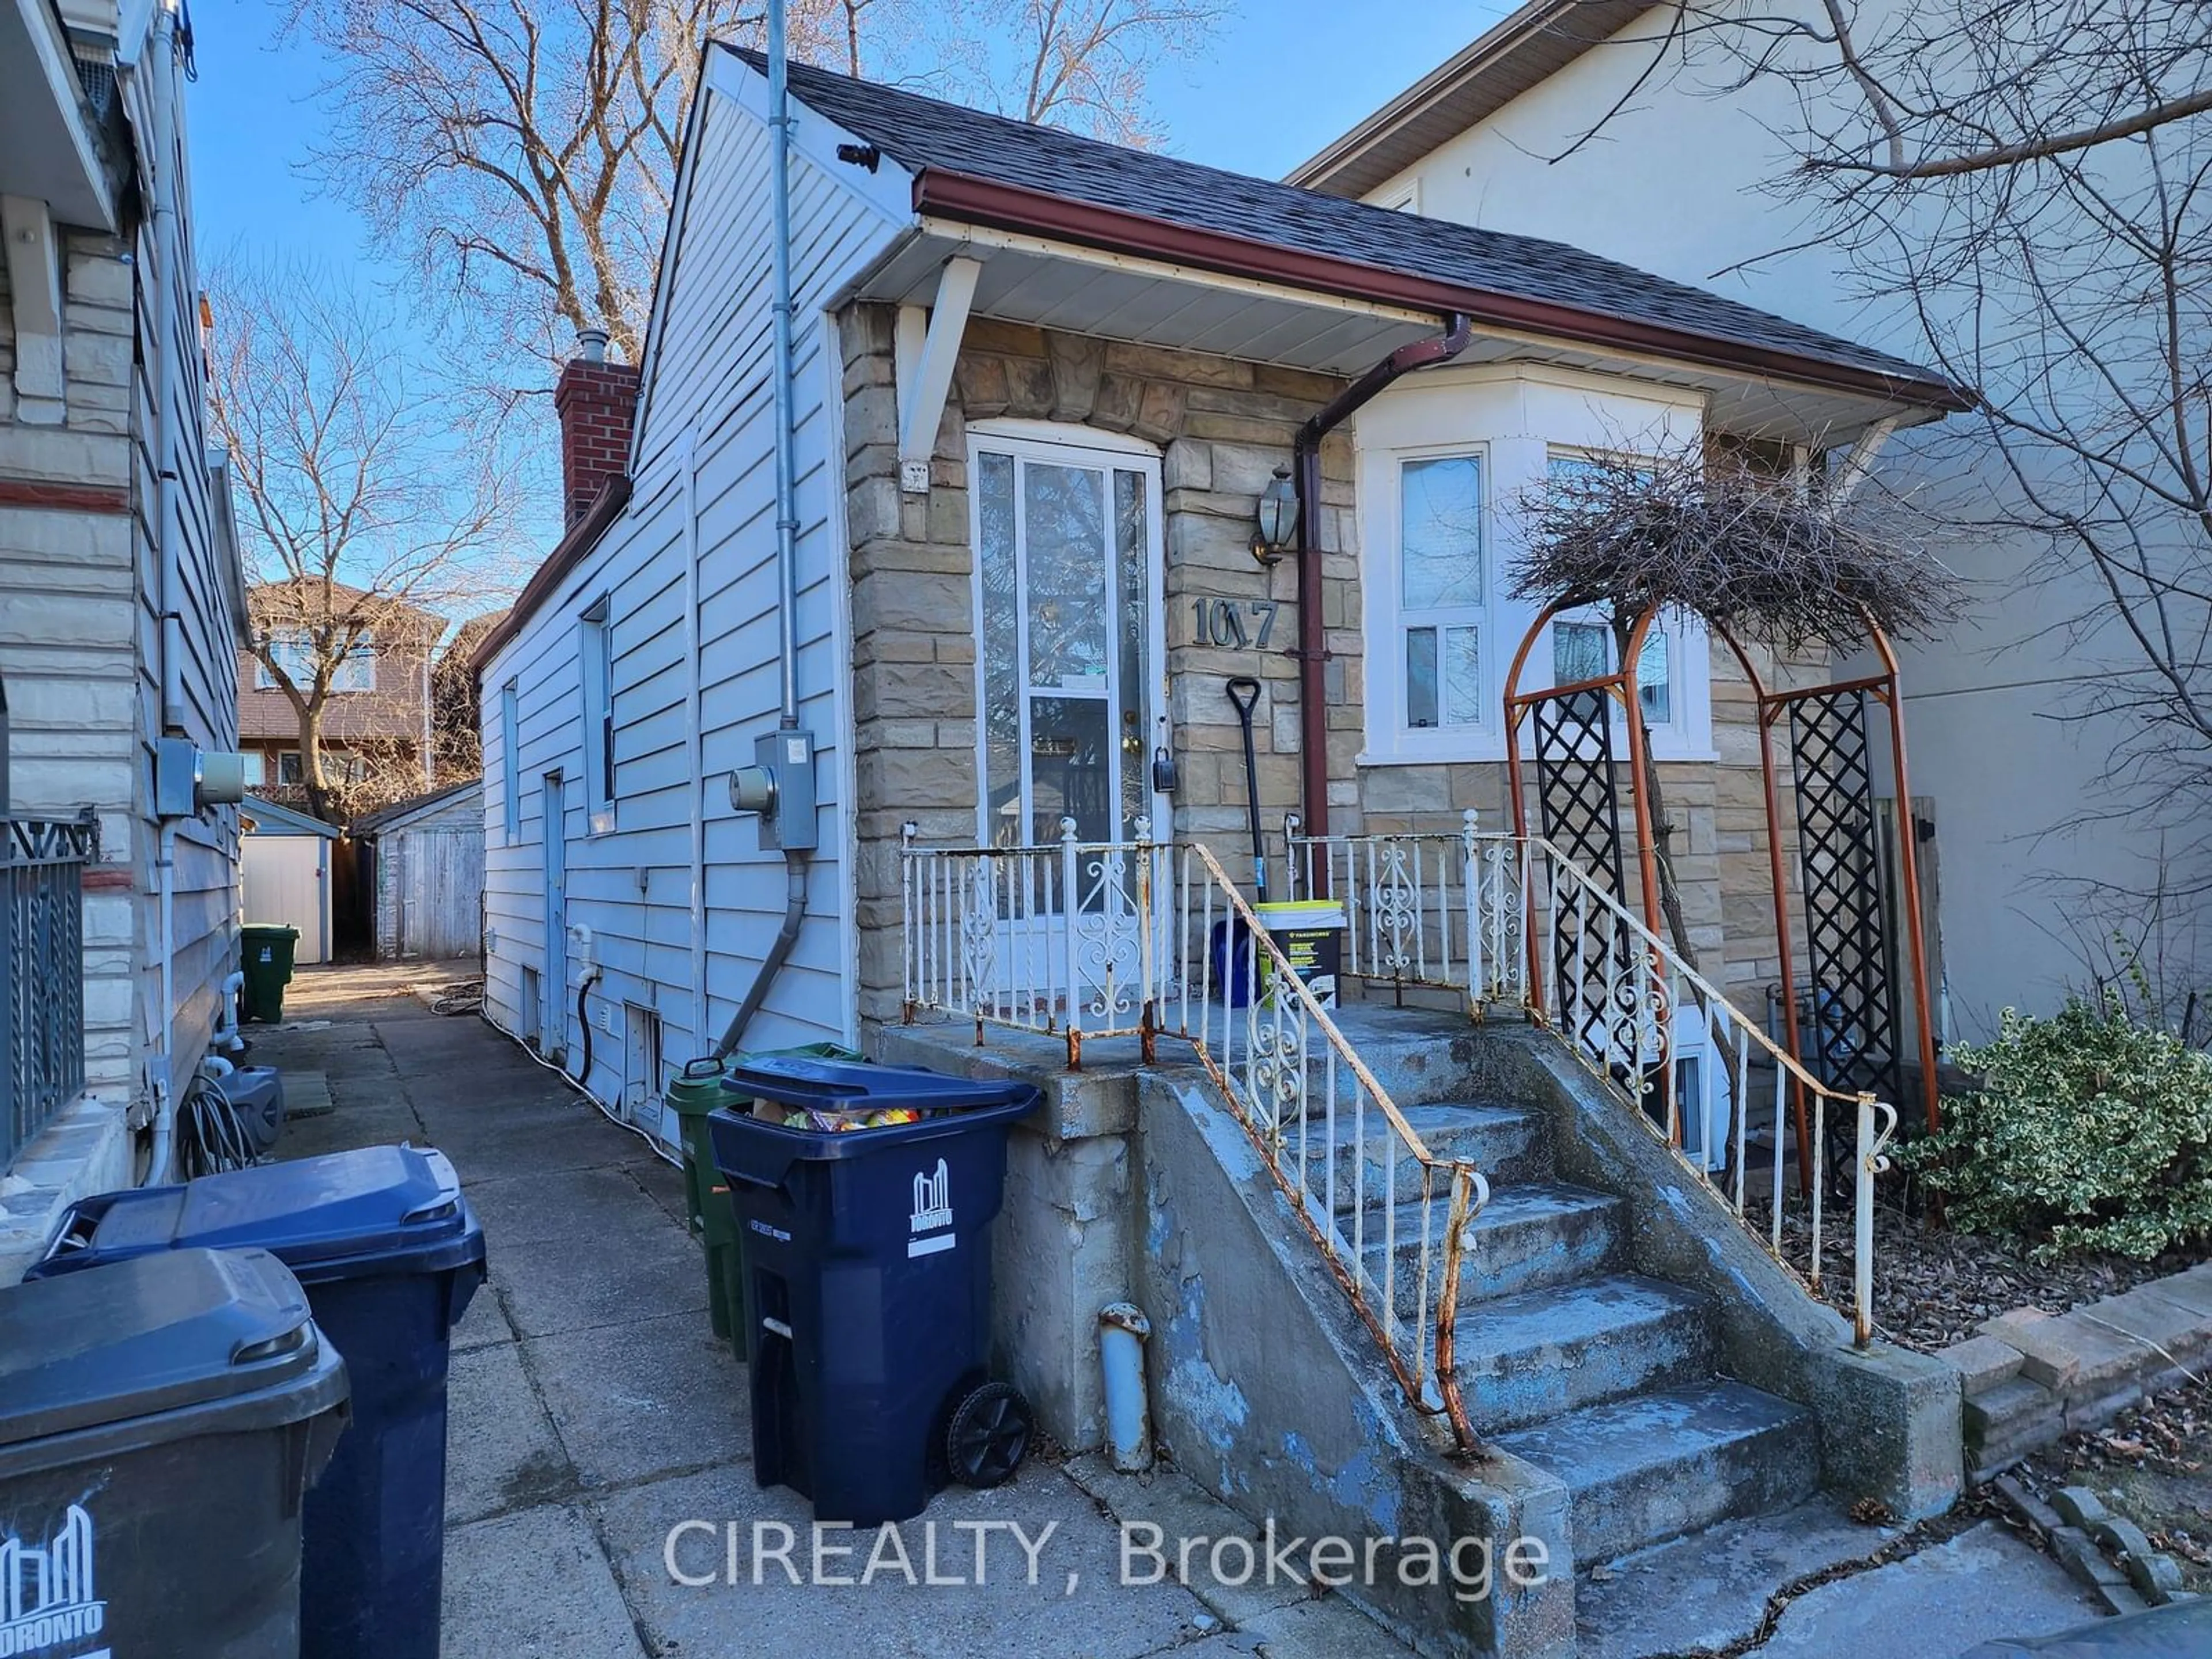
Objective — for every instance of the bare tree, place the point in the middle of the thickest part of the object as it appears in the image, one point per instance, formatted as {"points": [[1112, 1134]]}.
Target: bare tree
{"points": [[366, 515], [1765, 559], [2024, 184], [526, 150], [1083, 64]]}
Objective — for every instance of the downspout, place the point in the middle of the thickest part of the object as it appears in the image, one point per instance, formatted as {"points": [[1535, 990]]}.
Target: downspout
{"points": [[161, 65], [786, 508], [1305, 475]]}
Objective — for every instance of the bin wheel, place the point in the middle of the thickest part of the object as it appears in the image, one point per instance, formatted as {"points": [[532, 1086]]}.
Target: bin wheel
{"points": [[987, 1436]]}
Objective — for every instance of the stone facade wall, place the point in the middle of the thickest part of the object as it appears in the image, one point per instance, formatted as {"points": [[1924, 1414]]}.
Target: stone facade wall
{"points": [[1223, 427]]}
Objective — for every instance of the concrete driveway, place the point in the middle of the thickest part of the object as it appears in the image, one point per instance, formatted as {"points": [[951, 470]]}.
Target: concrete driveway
{"points": [[599, 1499]]}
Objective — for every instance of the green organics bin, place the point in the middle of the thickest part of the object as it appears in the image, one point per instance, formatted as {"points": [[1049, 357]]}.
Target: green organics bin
{"points": [[696, 1091], [267, 959]]}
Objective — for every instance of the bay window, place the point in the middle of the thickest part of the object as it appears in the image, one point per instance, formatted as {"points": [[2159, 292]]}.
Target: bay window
{"points": [[1442, 587]]}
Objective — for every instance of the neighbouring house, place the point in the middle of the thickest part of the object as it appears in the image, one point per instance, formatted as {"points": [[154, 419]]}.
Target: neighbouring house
{"points": [[423, 864], [378, 741], [2011, 764], [1051, 399], [121, 608], [288, 865]]}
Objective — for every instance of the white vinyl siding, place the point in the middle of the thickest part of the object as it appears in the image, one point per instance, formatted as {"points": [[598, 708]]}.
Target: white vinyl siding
{"points": [[633, 885]]}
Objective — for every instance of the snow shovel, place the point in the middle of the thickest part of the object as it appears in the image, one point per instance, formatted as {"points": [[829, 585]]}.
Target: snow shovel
{"points": [[1234, 963]]}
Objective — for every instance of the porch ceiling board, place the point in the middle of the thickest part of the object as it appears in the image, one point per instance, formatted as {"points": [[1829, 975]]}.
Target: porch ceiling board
{"points": [[47, 150], [1119, 298]]}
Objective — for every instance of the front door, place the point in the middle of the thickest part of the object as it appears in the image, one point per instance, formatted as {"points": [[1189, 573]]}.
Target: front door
{"points": [[1067, 543], [1068, 563]]}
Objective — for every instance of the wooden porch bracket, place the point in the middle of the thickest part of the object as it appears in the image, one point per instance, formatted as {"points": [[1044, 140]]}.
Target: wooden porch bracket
{"points": [[924, 352]]}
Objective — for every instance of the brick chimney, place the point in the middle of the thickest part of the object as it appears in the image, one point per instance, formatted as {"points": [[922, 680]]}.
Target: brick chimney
{"points": [[597, 402]]}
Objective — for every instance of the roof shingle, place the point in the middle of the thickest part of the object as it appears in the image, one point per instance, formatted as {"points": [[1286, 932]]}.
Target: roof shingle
{"points": [[923, 133]]}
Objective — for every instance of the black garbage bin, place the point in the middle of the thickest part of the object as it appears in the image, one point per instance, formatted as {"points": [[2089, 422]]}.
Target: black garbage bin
{"points": [[159, 1422], [868, 1266], [389, 1254], [265, 953]]}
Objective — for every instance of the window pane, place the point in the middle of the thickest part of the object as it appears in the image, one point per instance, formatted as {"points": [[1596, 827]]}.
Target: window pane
{"points": [[1002, 712], [1462, 677], [1071, 768], [1580, 650], [1440, 531], [1064, 541], [1653, 683], [1420, 677], [255, 771]]}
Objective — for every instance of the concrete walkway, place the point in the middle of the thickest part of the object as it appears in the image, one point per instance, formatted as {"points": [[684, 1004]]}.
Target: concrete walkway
{"points": [[594, 1415]]}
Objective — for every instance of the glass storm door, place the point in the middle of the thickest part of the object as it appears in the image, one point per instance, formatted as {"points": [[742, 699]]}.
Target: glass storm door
{"points": [[1067, 549]]}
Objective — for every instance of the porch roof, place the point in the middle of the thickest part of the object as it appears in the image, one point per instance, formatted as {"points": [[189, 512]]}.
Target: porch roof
{"points": [[1161, 232]]}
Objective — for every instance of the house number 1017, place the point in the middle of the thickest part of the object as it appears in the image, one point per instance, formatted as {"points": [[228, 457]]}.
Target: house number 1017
{"points": [[1235, 625]]}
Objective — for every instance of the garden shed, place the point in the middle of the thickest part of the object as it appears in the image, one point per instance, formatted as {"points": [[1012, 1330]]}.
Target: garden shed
{"points": [[286, 859], [423, 862]]}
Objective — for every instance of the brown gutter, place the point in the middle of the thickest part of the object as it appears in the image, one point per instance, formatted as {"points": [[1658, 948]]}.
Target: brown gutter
{"points": [[1305, 473], [568, 553], [1116, 230]]}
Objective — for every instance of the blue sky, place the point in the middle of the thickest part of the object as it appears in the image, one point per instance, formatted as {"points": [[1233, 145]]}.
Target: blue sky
{"points": [[1280, 81]]}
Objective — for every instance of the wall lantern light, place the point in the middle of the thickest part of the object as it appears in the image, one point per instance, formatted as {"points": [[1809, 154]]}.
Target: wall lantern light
{"points": [[1278, 517]]}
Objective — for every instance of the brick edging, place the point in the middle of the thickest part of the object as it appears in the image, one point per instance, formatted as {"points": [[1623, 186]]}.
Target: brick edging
{"points": [[2028, 1378]]}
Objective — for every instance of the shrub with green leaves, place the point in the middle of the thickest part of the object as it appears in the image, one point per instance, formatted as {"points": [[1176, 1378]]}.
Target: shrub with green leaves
{"points": [[2090, 1132]]}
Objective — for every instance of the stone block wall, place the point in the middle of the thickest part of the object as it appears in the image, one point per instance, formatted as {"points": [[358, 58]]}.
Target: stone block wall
{"points": [[1222, 427]]}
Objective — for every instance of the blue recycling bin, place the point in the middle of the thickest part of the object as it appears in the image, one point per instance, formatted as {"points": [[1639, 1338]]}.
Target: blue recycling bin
{"points": [[867, 1257], [389, 1254]]}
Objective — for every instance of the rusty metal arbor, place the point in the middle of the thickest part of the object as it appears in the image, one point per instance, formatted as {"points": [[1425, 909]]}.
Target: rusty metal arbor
{"points": [[1855, 1013], [1571, 729]]}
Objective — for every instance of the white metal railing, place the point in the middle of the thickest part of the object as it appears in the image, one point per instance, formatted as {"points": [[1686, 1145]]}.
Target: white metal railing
{"points": [[1432, 909], [990, 936], [1633, 1010], [1152, 939]]}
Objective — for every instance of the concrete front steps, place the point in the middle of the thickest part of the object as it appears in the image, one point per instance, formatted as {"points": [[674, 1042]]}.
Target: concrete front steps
{"points": [[1606, 1377]]}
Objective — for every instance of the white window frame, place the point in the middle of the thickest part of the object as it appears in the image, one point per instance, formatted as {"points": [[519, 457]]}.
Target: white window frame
{"points": [[1689, 696], [595, 675], [256, 770], [1516, 417], [1489, 714], [357, 673], [510, 760], [1057, 442]]}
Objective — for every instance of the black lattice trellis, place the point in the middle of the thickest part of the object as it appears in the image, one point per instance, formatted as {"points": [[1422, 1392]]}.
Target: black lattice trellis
{"points": [[1852, 1002], [1579, 804]]}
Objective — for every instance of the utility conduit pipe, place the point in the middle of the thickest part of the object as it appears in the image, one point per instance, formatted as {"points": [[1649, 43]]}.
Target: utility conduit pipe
{"points": [[1122, 1331]]}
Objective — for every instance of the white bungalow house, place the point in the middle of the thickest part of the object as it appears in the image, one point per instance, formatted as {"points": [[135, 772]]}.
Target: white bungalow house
{"points": [[121, 608], [1042, 386]]}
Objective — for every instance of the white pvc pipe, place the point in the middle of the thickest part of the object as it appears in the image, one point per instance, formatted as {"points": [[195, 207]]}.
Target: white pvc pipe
{"points": [[226, 1034], [1122, 1330], [165, 1093]]}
